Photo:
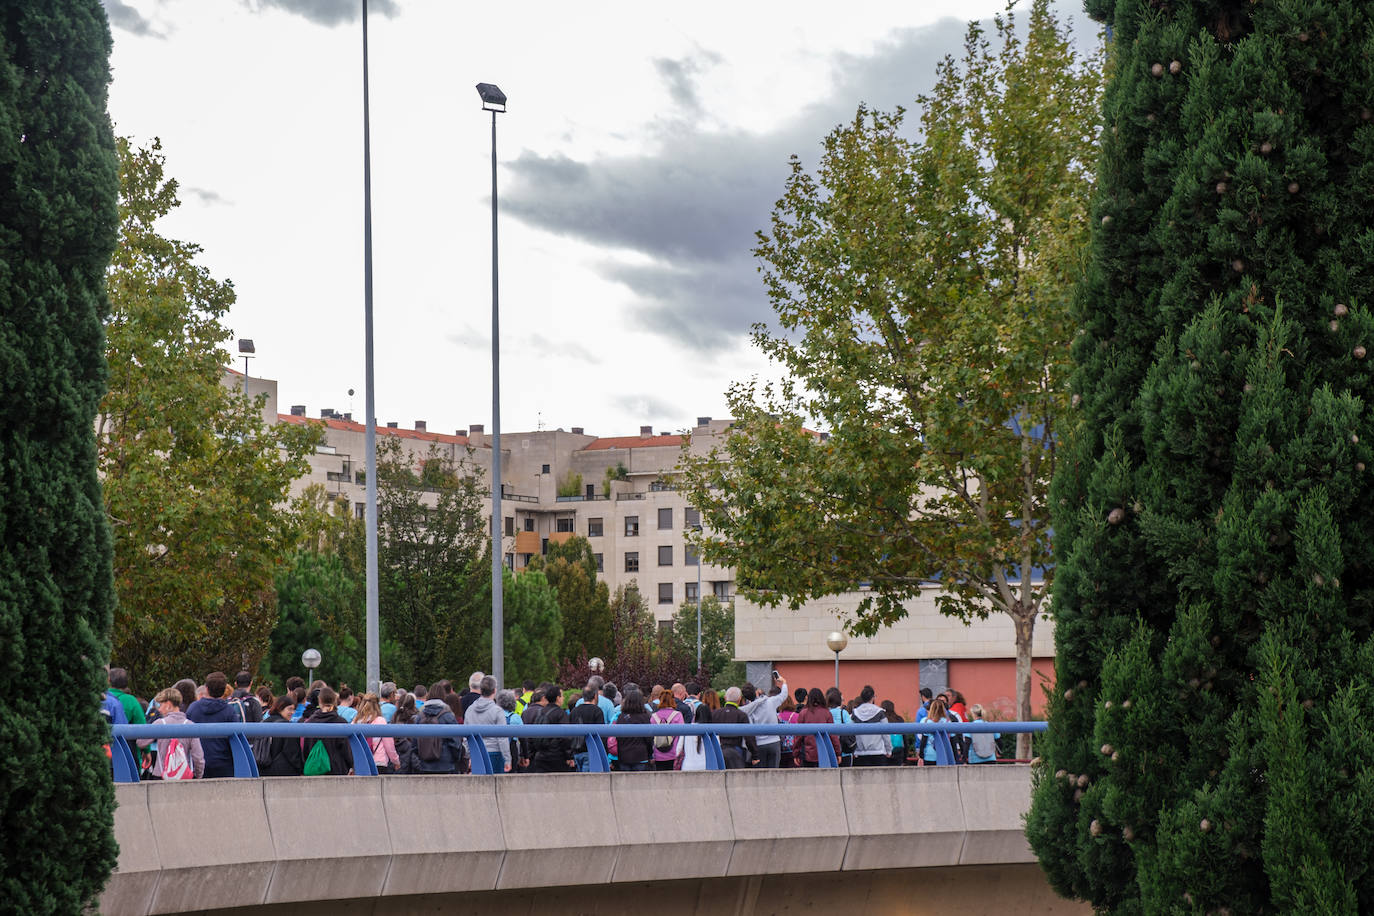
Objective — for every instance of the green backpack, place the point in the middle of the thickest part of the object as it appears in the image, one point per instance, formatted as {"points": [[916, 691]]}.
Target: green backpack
{"points": [[317, 761]]}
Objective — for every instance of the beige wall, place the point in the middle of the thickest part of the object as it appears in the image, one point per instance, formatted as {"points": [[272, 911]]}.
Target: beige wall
{"points": [[778, 634]]}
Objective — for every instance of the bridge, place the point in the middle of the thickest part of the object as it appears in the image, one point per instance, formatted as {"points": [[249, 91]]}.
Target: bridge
{"points": [[871, 840]]}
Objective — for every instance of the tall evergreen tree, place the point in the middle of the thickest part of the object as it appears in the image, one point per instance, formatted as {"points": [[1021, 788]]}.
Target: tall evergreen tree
{"points": [[58, 216], [585, 600], [1208, 748]]}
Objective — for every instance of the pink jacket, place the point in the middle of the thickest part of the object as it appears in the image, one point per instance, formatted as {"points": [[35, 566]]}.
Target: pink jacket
{"points": [[667, 717], [383, 749]]}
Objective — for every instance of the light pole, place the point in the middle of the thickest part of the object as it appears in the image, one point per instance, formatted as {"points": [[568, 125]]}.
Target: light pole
{"points": [[494, 100], [699, 601], [837, 641], [311, 659], [374, 655]]}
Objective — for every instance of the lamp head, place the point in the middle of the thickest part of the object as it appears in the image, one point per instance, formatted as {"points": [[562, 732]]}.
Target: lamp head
{"points": [[246, 345], [310, 658], [493, 99], [837, 641]]}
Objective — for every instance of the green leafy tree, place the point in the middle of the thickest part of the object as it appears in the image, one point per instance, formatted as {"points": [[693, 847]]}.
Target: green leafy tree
{"points": [[58, 217], [194, 480], [615, 473], [533, 627], [922, 292], [433, 563], [584, 600], [1209, 748], [717, 633]]}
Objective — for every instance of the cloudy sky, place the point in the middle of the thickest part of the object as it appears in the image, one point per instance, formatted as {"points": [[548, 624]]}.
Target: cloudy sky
{"points": [[644, 145]]}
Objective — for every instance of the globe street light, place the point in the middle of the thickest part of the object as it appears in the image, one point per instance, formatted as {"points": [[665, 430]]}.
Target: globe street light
{"points": [[494, 100], [596, 664], [311, 659], [837, 641]]}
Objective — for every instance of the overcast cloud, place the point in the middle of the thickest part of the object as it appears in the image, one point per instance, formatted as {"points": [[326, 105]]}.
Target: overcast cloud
{"points": [[327, 12], [123, 16], [694, 201]]}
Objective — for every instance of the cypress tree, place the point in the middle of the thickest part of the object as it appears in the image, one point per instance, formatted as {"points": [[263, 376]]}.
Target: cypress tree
{"points": [[1208, 748], [58, 189]]}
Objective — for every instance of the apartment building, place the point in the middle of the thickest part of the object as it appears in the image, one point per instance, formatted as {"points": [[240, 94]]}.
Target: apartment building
{"points": [[625, 502]]}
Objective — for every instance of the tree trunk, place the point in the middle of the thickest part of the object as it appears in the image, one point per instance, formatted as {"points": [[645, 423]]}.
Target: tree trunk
{"points": [[1025, 629]]}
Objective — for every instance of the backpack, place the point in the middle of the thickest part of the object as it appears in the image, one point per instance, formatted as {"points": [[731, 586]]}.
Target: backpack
{"points": [[175, 762], [789, 742], [985, 744], [317, 761], [429, 749], [664, 743], [262, 749]]}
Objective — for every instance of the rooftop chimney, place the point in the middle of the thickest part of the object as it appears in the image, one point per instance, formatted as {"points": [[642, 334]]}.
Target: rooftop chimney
{"points": [[326, 413], [646, 431], [460, 432], [703, 421], [577, 430], [392, 424], [478, 429], [420, 426], [297, 410]]}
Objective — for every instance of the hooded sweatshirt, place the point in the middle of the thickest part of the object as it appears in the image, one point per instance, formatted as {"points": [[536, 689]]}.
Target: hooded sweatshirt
{"points": [[870, 744], [485, 712]]}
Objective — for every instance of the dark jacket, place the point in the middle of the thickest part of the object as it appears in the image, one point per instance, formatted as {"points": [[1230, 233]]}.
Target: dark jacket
{"points": [[585, 714], [633, 751], [437, 712], [208, 709], [685, 708], [551, 754], [340, 754], [287, 759], [744, 746]]}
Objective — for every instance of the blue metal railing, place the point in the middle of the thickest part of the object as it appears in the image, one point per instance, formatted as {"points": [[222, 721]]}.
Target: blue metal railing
{"points": [[238, 733]]}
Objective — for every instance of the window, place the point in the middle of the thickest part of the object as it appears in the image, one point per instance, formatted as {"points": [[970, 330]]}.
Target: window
{"points": [[593, 527], [665, 555], [631, 526], [665, 519], [632, 561], [690, 557], [691, 518], [691, 593], [359, 510], [600, 562], [721, 590], [543, 547], [544, 469], [510, 526], [563, 524], [665, 627], [665, 593], [529, 523], [510, 561]]}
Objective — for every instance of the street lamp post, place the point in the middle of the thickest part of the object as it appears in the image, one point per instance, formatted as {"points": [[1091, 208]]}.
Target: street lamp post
{"points": [[837, 641], [311, 659], [373, 635], [494, 100], [699, 602]]}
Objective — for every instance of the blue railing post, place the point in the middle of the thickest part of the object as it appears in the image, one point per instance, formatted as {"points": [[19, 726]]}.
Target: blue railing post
{"points": [[122, 759], [477, 754], [715, 757], [598, 761], [245, 767], [363, 762], [825, 752], [944, 752]]}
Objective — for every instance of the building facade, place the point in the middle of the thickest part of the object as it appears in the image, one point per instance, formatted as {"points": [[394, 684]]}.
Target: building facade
{"points": [[620, 494]]}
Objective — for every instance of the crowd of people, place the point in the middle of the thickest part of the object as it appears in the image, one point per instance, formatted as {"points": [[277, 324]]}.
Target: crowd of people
{"points": [[483, 703]]}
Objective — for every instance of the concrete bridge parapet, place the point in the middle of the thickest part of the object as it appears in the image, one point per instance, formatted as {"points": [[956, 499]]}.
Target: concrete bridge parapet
{"points": [[233, 844]]}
